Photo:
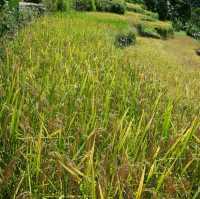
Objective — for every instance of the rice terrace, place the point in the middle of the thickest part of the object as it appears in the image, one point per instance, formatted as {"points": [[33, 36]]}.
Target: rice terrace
{"points": [[100, 99]]}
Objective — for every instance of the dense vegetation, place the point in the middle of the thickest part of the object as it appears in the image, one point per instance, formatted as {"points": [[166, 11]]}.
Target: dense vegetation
{"points": [[99, 105], [183, 13]]}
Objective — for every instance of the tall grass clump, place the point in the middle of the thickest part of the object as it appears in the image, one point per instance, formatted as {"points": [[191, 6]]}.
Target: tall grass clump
{"points": [[85, 5], [125, 38], [58, 5], [113, 6], [146, 31], [78, 119]]}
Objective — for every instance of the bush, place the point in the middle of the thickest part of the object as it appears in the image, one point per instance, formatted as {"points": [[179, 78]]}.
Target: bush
{"points": [[148, 31], [177, 25], [12, 18], [135, 8], [57, 5], [104, 5], [118, 7], [141, 9], [33, 1], [61, 5], [135, 1], [162, 9], [85, 5], [8, 21], [165, 32], [114, 6], [9, 17], [151, 4], [195, 18], [193, 31], [148, 18], [193, 27], [51, 5], [125, 38], [2, 2]]}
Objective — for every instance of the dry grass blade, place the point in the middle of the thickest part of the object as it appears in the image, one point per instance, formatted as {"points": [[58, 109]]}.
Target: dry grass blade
{"points": [[72, 170], [7, 173], [141, 185]]}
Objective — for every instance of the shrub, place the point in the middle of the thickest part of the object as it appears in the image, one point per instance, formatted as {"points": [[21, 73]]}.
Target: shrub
{"points": [[162, 9], [8, 20], [85, 5], [2, 2], [165, 31], [115, 6], [135, 1], [56, 5], [148, 18], [103, 5], [153, 15], [193, 27], [177, 25], [33, 1], [51, 5], [141, 9], [151, 4], [148, 31], [61, 5], [125, 38], [12, 17], [195, 18], [118, 6], [193, 31], [135, 8]]}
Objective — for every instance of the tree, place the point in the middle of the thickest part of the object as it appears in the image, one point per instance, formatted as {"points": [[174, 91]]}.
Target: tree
{"points": [[180, 10], [151, 4], [162, 9], [2, 2], [195, 18]]}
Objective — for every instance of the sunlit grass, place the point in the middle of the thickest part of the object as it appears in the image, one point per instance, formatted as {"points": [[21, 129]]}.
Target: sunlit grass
{"points": [[81, 118]]}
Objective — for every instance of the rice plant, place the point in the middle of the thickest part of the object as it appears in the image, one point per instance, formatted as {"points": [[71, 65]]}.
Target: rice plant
{"points": [[80, 118]]}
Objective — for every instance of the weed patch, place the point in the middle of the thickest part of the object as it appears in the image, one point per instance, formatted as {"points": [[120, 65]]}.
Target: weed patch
{"points": [[148, 32], [125, 39]]}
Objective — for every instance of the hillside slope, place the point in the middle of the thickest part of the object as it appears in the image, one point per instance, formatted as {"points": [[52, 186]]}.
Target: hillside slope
{"points": [[81, 118]]}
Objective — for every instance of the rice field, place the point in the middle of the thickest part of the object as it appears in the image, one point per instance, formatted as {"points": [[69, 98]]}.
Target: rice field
{"points": [[80, 118]]}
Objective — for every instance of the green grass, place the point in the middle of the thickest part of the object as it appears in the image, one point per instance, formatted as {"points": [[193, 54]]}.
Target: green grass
{"points": [[153, 25], [81, 118], [139, 8], [148, 32]]}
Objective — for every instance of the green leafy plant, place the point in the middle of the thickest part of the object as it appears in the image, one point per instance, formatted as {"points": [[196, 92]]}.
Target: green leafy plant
{"points": [[8, 20], [165, 31], [58, 5], [193, 30], [114, 6], [85, 5], [61, 5], [33, 1], [148, 31], [118, 6], [125, 38]]}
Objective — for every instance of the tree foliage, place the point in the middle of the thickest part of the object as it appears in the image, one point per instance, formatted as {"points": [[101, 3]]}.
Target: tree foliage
{"points": [[185, 14], [173, 9]]}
